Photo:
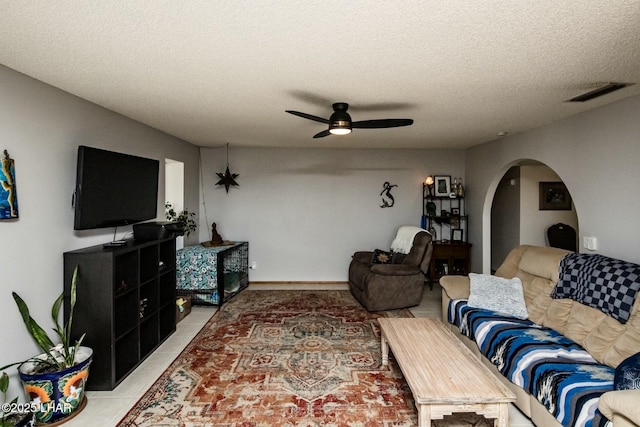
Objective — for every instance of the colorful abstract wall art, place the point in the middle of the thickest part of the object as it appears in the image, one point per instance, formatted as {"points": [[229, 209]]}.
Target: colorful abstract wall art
{"points": [[8, 195]]}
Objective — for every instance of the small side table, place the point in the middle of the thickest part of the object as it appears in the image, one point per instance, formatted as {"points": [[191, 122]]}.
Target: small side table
{"points": [[449, 258]]}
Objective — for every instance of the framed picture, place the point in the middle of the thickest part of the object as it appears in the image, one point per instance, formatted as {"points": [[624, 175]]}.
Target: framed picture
{"points": [[455, 211], [442, 185], [456, 235], [554, 196], [8, 195]]}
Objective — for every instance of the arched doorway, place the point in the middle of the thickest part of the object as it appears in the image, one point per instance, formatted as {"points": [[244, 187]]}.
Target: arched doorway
{"points": [[516, 217]]}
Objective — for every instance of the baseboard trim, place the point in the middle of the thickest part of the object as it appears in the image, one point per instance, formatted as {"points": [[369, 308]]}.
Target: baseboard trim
{"points": [[298, 285]]}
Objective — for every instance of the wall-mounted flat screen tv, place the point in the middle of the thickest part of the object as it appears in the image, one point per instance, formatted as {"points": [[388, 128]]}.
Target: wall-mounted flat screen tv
{"points": [[114, 189]]}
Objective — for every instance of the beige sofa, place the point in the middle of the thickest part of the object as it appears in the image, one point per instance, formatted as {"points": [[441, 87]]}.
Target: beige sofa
{"points": [[607, 340]]}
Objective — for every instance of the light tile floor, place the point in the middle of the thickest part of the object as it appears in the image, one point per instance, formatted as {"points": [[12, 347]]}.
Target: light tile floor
{"points": [[107, 408]]}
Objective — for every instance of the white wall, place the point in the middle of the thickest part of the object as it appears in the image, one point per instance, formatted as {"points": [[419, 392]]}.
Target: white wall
{"points": [[595, 153], [505, 217], [305, 211], [533, 221], [41, 128]]}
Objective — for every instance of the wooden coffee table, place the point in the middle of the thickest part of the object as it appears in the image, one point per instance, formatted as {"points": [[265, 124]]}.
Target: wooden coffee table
{"points": [[443, 374]]}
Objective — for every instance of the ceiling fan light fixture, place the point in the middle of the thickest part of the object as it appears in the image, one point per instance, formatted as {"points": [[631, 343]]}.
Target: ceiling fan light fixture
{"points": [[340, 127], [340, 122]]}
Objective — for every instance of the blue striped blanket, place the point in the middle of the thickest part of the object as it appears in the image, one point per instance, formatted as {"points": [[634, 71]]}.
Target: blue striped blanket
{"points": [[557, 371]]}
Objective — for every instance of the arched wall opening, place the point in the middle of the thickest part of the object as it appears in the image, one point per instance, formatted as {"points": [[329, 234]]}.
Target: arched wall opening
{"points": [[512, 214]]}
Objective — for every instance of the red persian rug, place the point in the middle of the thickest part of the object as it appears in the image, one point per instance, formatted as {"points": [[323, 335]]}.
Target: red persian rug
{"points": [[282, 358]]}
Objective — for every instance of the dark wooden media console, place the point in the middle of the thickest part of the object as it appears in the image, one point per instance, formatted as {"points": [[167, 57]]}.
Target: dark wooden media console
{"points": [[125, 303]]}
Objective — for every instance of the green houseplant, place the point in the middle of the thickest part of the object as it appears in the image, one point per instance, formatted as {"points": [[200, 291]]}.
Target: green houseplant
{"points": [[54, 380], [13, 414], [184, 218], [62, 355]]}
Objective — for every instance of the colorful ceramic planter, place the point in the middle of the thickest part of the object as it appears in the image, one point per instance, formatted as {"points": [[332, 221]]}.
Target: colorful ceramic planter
{"points": [[56, 395]]}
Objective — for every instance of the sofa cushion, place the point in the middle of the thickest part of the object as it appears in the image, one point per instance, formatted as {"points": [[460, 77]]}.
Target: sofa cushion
{"points": [[570, 391], [605, 338], [558, 372], [627, 376], [497, 294]]}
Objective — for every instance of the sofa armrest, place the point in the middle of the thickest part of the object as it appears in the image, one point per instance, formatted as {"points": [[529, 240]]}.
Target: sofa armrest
{"points": [[456, 287], [363, 257], [621, 406], [395, 269]]}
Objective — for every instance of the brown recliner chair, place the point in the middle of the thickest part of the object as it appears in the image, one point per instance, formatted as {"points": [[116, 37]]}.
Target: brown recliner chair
{"points": [[391, 286]]}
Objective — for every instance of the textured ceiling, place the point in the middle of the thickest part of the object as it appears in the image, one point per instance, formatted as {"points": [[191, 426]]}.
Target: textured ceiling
{"points": [[216, 72]]}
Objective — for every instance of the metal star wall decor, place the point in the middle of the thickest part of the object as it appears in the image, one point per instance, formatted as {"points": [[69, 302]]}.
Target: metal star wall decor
{"points": [[227, 179]]}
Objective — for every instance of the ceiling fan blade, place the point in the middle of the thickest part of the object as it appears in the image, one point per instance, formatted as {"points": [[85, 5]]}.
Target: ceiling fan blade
{"points": [[383, 123], [308, 116], [322, 134]]}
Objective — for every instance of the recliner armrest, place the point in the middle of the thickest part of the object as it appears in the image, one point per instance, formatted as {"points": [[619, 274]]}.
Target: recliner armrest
{"points": [[363, 257], [395, 269], [621, 407], [456, 287]]}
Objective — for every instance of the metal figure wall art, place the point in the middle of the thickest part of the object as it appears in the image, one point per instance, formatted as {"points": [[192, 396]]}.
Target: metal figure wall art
{"points": [[8, 195], [387, 199]]}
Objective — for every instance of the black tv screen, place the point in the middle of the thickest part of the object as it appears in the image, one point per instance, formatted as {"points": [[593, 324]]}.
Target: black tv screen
{"points": [[114, 189]]}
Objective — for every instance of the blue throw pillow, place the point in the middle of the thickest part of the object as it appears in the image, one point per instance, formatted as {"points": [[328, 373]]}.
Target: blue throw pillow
{"points": [[627, 376]]}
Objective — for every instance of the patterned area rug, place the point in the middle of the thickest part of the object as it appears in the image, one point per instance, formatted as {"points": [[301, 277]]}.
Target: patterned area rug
{"points": [[284, 358]]}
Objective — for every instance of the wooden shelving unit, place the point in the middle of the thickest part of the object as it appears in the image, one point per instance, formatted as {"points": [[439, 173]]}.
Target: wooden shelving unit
{"points": [[125, 304], [445, 216]]}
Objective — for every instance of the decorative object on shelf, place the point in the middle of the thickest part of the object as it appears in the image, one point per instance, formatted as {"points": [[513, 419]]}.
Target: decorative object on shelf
{"points": [[460, 188], [456, 235], [554, 196], [216, 238], [144, 303], [428, 184], [227, 178], [442, 185], [55, 380], [184, 218], [431, 209], [434, 235], [8, 194], [386, 191]]}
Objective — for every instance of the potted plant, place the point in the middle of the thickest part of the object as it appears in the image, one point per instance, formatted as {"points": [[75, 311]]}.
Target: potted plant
{"points": [[184, 218], [54, 380], [13, 414]]}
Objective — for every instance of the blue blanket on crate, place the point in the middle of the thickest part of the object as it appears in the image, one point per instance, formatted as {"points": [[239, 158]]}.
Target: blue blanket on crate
{"points": [[557, 371]]}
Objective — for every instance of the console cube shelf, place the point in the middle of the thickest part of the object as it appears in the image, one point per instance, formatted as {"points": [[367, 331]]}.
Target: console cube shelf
{"points": [[125, 303]]}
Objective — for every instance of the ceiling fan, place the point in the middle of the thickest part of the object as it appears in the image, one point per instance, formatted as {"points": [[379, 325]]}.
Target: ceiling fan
{"points": [[340, 122]]}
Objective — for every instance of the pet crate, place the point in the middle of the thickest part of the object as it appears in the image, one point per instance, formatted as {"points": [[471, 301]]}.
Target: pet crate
{"points": [[212, 275]]}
